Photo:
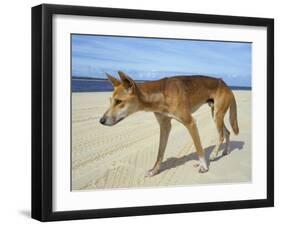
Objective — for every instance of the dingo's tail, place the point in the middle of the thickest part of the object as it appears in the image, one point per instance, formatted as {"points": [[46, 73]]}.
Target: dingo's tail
{"points": [[233, 116]]}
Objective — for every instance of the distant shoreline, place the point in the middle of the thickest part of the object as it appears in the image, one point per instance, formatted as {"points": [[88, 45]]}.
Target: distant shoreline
{"points": [[84, 84]]}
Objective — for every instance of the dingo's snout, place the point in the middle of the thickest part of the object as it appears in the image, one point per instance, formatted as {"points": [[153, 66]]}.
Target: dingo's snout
{"points": [[110, 121], [102, 120]]}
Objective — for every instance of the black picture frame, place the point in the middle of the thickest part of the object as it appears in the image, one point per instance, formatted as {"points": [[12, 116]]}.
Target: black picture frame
{"points": [[42, 107]]}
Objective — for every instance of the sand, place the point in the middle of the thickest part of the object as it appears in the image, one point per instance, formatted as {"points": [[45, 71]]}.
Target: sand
{"points": [[119, 156]]}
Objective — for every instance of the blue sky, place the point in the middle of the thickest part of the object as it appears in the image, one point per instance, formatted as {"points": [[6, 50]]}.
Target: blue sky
{"points": [[151, 58]]}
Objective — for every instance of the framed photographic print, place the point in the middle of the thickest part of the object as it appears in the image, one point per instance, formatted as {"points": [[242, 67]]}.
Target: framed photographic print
{"points": [[145, 112]]}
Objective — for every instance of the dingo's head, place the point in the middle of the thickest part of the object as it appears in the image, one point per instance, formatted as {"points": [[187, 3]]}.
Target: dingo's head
{"points": [[124, 100]]}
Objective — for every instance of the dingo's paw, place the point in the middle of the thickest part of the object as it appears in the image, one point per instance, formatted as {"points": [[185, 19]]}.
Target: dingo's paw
{"points": [[213, 156], [151, 173], [203, 169], [226, 151]]}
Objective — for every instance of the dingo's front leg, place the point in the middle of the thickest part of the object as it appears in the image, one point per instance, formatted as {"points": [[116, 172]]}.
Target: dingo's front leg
{"points": [[165, 128], [192, 128]]}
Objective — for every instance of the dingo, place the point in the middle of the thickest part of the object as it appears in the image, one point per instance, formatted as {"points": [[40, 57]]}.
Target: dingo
{"points": [[175, 97]]}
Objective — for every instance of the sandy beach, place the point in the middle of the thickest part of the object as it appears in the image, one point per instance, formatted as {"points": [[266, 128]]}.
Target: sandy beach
{"points": [[119, 156]]}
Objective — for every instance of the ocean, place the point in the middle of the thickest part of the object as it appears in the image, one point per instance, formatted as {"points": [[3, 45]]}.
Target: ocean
{"points": [[101, 85], [90, 85]]}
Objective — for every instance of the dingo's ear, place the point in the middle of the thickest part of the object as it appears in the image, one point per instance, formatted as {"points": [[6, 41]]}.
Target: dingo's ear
{"points": [[127, 82], [114, 81]]}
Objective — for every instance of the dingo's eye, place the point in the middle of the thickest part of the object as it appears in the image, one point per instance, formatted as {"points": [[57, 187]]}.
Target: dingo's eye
{"points": [[118, 101]]}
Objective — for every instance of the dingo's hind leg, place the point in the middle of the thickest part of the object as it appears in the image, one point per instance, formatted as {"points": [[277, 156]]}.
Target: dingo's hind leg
{"points": [[221, 103], [226, 136], [223, 134], [165, 128], [220, 128]]}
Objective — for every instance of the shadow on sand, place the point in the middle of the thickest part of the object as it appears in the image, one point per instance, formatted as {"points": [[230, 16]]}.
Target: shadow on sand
{"points": [[25, 213], [174, 162]]}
